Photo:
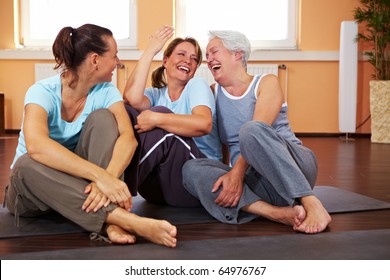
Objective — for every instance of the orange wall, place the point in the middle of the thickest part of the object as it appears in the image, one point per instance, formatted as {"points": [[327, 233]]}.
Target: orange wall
{"points": [[6, 23], [312, 85]]}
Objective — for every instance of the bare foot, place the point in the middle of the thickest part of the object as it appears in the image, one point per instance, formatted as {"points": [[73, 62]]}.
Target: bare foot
{"points": [[158, 231], [317, 218], [292, 216], [118, 235], [300, 215]]}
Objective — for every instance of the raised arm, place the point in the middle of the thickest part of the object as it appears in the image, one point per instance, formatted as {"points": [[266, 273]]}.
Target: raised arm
{"points": [[135, 86]]}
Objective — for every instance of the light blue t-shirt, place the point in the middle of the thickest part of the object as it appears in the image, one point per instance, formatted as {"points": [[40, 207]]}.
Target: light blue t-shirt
{"points": [[47, 94], [197, 92]]}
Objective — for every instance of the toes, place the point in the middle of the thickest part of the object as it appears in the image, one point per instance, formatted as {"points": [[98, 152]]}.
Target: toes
{"points": [[131, 239]]}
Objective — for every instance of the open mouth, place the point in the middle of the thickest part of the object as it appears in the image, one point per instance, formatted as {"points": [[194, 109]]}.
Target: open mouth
{"points": [[183, 68], [216, 67]]}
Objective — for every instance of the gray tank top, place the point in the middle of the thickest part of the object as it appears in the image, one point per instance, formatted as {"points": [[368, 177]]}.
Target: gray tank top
{"points": [[234, 111]]}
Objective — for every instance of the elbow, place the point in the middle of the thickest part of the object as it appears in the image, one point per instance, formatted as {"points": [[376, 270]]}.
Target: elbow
{"points": [[33, 151], [209, 128], [133, 98], [127, 99], [206, 128], [135, 103]]}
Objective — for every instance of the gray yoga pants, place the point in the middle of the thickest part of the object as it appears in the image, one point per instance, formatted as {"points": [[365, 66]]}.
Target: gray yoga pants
{"points": [[280, 173], [35, 189]]}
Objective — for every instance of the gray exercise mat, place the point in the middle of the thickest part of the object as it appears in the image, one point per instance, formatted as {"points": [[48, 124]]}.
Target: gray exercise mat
{"points": [[337, 200], [350, 245], [56, 224], [44, 225], [334, 199]]}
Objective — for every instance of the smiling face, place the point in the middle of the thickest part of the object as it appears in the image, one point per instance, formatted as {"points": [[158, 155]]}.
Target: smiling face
{"points": [[219, 58], [108, 61], [182, 63]]}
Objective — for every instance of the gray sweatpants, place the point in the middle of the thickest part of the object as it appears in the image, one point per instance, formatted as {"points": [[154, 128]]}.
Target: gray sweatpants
{"points": [[280, 172], [35, 189]]}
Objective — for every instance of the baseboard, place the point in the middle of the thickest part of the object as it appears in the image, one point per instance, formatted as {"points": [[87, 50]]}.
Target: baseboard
{"points": [[320, 134], [10, 132]]}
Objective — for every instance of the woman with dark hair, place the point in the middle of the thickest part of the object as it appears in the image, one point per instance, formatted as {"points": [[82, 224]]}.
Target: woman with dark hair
{"points": [[175, 119], [76, 141]]}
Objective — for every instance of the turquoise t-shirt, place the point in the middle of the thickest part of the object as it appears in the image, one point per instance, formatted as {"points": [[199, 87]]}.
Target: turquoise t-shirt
{"points": [[47, 94], [197, 92]]}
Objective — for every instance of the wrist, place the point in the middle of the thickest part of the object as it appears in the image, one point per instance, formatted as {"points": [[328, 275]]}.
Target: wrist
{"points": [[238, 171], [149, 53], [96, 174]]}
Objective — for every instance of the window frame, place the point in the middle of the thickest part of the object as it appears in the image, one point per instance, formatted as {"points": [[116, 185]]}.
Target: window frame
{"points": [[290, 43], [24, 39]]}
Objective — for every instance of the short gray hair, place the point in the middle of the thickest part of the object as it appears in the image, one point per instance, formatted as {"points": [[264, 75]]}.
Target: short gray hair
{"points": [[234, 41]]}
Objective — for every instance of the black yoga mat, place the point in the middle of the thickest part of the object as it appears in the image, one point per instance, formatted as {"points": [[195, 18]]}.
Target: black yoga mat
{"points": [[334, 199], [54, 223], [351, 245]]}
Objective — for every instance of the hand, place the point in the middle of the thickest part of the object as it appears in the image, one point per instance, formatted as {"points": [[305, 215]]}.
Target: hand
{"points": [[115, 190], [146, 121], [231, 192], [95, 199], [158, 40]]}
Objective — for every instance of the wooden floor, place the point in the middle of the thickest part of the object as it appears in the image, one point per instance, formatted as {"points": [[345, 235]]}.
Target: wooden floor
{"points": [[357, 166]]}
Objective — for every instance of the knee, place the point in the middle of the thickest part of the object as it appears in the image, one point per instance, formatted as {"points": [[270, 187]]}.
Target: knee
{"points": [[194, 165], [101, 118], [21, 171], [192, 181], [188, 170], [22, 165], [251, 130], [161, 109], [192, 168], [26, 168]]}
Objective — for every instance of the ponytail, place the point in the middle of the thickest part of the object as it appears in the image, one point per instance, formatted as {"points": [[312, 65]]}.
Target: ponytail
{"points": [[63, 49], [158, 78]]}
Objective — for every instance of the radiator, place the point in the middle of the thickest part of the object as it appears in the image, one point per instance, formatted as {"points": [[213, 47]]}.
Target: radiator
{"points": [[46, 70], [253, 69]]}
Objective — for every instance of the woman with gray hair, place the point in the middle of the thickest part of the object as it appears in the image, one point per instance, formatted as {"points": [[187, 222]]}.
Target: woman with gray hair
{"points": [[269, 172], [234, 42]]}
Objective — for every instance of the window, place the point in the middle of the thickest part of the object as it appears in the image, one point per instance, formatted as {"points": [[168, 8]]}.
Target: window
{"points": [[267, 24], [41, 20]]}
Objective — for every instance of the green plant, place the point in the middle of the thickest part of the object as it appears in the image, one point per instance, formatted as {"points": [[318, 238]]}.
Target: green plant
{"points": [[375, 14]]}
